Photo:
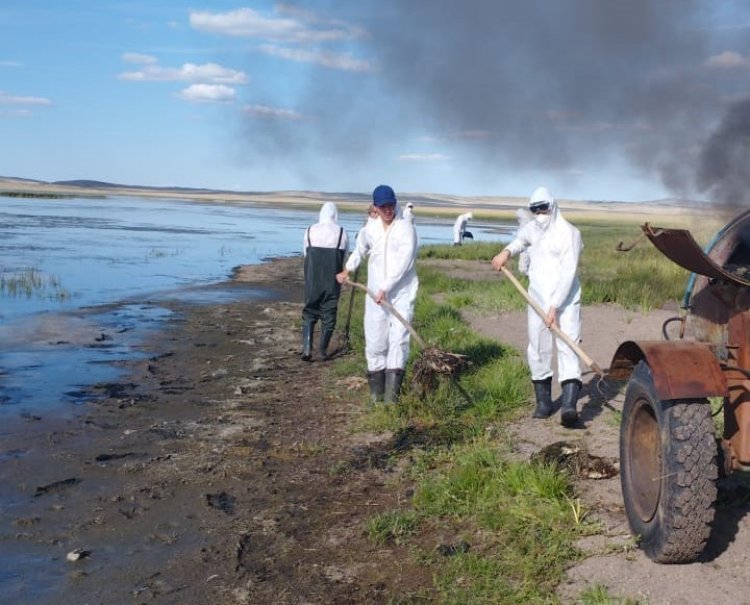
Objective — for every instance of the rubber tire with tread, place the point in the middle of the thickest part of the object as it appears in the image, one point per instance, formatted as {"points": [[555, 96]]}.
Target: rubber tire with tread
{"points": [[673, 522]]}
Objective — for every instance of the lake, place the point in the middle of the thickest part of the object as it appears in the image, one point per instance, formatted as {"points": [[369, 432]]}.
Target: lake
{"points": [[99, 268]]}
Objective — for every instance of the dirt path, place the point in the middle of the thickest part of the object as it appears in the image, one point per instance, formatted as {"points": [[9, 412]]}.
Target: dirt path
{"points": [[723, 575]]}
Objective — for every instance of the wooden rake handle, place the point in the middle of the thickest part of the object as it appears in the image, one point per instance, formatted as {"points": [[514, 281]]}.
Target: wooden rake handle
{"points": [[554, 327], [392, 311]]}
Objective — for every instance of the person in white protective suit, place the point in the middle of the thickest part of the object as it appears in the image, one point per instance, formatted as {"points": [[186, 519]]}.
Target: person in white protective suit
{"points": [[409, 212], [554, 248], [390, 244], [459, 228], [524, 216]]}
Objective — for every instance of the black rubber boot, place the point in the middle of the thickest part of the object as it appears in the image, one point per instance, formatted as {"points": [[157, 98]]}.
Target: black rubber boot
{"points": [[393, 381], [568, 411], [325, 339], [543, 392], [376, 380], [307, 341]]}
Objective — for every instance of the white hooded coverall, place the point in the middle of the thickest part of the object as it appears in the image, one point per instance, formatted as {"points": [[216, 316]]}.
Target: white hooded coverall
{"points": [[460, 226], [553, 249], [391, 267], [409, 212], [524, 216], [326, 232]]}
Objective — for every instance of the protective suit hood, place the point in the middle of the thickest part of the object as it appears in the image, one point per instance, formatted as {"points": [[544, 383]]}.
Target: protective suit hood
{"points": [[523, 216], [542, 195], [328, 213]]}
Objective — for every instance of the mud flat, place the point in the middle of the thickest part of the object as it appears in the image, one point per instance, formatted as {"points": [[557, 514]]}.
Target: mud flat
{"points": [[222, 469]]}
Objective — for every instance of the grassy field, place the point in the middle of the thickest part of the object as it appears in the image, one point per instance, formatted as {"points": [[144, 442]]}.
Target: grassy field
{"points": [[515, 523]]}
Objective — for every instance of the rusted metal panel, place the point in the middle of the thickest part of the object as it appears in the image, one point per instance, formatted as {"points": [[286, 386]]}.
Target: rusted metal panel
{"points": [[679, 246], [681, 370]]}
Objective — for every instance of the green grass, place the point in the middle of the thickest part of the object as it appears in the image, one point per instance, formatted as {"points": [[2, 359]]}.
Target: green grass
{"points": [[392, 526], [461, 469], [599, 595], [642, 278], [518, 520], [31, 282]]}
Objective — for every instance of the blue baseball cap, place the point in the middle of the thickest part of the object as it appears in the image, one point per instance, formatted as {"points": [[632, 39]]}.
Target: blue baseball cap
{"points": [[383, 195]]}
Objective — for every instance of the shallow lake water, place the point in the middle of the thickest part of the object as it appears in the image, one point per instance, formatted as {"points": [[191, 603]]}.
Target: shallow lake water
{"points": [[103, 266]]}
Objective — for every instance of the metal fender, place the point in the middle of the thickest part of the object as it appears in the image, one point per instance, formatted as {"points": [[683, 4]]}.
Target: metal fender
{"points": [[681, 370]]}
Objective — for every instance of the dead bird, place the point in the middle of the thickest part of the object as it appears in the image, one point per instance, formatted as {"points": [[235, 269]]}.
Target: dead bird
{"points": [[574, 457]]}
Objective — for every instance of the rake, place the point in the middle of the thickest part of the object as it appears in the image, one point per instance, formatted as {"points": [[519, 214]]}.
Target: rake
{"points": [[554, 327], [432, 361]]}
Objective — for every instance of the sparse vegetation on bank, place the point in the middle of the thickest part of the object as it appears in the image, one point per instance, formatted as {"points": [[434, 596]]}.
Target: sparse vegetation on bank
{"points": [[513, 523], [40, 195], [641, 278], [31, 282]]}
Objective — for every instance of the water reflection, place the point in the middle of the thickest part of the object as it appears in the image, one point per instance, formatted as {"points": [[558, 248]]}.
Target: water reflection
{"points": [[106, 251]]}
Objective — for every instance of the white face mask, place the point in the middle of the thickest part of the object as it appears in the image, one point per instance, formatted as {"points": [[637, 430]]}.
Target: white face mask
{"points": [[542, 219]]}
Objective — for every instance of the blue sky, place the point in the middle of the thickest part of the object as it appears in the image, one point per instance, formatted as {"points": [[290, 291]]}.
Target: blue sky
{"points": [[596, 99]]}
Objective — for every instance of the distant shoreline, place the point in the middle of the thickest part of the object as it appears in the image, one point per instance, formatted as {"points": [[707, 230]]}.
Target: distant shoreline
{"points": [[425, 203]]}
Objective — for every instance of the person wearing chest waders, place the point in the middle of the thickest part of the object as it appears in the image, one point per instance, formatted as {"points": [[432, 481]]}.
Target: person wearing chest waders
{"points": [[324, 248], [390, 245], [554, 247]]}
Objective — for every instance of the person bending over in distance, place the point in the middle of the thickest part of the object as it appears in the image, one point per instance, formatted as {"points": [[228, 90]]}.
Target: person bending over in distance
{"points": [[459, 228]]}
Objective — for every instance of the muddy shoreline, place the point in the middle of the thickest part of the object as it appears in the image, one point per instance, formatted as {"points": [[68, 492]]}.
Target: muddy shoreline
{"points": [[221, 469]]}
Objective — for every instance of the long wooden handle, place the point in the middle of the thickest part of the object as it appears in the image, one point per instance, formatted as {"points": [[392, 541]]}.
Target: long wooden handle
{"points": [[349, 311], [554, 327], [393, 312]]}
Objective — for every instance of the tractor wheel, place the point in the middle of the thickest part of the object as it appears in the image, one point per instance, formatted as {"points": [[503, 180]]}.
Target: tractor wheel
{"points": [[668, 470]]}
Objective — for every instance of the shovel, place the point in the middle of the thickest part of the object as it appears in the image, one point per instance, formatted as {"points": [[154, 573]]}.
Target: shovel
{"points": [[554, 327]]}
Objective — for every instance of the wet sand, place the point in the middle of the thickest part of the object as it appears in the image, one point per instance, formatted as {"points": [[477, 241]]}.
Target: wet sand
{"points": [[221, 469]]}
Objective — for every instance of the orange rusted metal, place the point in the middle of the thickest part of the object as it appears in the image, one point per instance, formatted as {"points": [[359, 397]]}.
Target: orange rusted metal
{"points": [[714, 360], [681, 370], [737, 402], [680, 247]]}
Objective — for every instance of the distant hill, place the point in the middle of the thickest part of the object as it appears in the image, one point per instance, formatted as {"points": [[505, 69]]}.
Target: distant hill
{"points": [[90, 184], [435, 202]]}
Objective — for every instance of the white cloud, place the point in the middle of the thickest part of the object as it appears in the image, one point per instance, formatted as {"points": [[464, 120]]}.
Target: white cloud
{"points": [[248, 23], [559, 115], [138, 58], [309, 16], [15, 113], [10, 64], [473, 134], [591, 127], [264, 111], [571, 121], [727, 60], [208, 73], [423, 157], [208, 93], [343, 61], [6, 99]]}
